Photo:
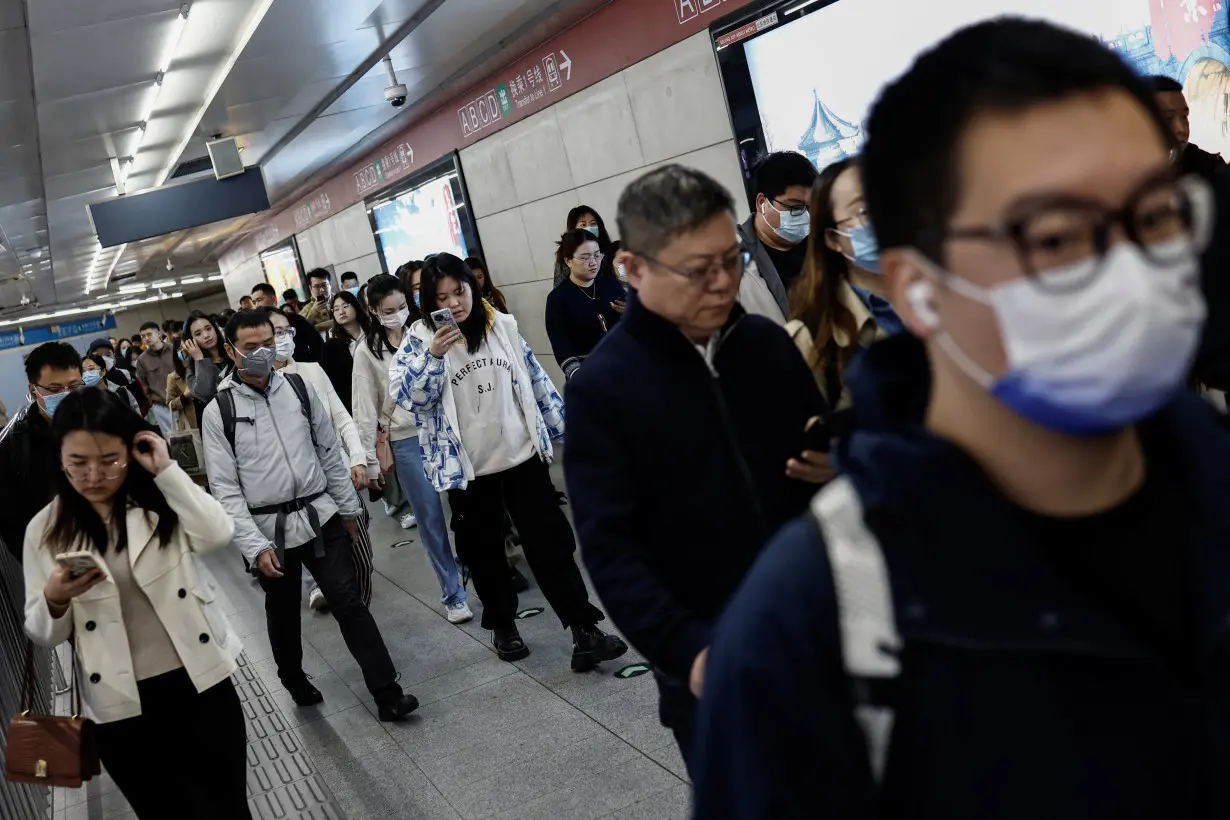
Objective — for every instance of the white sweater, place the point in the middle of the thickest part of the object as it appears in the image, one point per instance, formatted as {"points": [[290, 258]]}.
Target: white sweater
{"points": [[315, 376], [369, 398]]}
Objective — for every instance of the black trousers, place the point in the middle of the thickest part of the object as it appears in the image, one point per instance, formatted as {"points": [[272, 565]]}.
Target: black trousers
{"points": [[677, 711], [334, 573], [546, 538], [185, 755]]}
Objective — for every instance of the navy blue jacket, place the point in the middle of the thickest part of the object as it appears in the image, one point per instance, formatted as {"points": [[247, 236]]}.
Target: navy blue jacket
{"points": [[677, 473], [1019, 696]]}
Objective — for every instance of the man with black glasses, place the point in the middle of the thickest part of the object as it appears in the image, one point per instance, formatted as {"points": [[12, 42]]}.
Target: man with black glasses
{"points": [[29, 457], [685, 441], [776, 233], [1014, 602]]}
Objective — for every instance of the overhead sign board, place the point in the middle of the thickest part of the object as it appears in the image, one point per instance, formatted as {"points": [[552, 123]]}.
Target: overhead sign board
{"points": [[614, 37]]}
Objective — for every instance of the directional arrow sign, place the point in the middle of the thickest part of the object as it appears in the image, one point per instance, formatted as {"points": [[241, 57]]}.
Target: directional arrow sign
{"points": [[529, 613], [635, 670], [566, 65]]}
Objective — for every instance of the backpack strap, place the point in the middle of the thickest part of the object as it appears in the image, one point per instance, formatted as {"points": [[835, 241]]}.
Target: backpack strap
{"points": [[869, 639], [300, 387], [226, 407]]}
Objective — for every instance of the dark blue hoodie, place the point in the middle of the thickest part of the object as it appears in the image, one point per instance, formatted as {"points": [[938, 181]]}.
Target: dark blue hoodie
{"points": [[1021, 694]]}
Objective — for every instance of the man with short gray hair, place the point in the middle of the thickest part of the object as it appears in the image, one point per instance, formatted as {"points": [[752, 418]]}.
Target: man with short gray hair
{"points": [[684, 448]]}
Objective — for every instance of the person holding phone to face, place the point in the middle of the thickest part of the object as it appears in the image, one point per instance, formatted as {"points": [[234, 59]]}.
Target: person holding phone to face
{"points": [[153, 655]]}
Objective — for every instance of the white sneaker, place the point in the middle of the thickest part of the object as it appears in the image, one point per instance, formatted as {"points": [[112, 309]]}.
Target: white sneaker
{"points": [[408, 522], [317, 600], [459, 613], [389, 509]]}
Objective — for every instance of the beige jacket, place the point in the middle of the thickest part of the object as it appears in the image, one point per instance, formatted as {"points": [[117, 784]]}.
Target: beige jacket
{"points": [[183, 594], [868, 332], [370, 401]]}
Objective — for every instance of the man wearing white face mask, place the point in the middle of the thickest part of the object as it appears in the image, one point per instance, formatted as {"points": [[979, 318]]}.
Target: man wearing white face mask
{"points": [[776, 233], [1013, 603]]}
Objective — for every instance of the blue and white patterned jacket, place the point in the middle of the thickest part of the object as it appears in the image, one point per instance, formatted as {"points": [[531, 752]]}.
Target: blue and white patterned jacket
{"points": [[418, 382]]}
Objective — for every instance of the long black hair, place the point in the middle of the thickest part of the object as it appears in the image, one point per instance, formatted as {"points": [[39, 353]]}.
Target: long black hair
{"points": [[75, 523], [218, 354], [362, 316], [447, 266], [378, 288]]}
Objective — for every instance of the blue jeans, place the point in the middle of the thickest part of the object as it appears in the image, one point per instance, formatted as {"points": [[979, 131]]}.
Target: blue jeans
{"points": [[429, 512]]}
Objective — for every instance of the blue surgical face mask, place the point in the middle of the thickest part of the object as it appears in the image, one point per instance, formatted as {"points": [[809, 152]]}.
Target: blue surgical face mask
{"points": [[91, 377], [793, 228], [354, 291], [593, 229], [865, 245], [1092, 360], [418, 300], [50, 403]]}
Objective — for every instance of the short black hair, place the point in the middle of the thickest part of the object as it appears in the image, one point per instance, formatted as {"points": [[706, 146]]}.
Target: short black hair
{"points": [[246, 297], [776, 172], [349, 275], [56, 355], [664, 203], [318, 273], [151, 326], [265, 288], [172, 325], [246, 318], [1160, 83], [288, 294], [909, 162]]}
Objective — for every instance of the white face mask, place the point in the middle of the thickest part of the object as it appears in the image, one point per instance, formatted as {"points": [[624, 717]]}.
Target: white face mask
{"points": [[284, 348], [397, 320], [109, 361], [1092, 358], [792, 229]]}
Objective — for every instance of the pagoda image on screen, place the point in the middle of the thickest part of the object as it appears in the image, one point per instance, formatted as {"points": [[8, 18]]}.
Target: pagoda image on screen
{"points": [[829, 138]]}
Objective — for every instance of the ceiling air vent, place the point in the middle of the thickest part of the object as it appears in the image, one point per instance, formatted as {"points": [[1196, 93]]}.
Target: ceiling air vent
{"points": [[225, 156], [193, 166]]}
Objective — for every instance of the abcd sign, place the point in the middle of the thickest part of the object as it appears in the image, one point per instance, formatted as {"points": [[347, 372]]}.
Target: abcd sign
{"points": [[480, 113]]}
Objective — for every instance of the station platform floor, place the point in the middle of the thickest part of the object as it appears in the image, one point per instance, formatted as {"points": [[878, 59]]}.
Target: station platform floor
{"points": [[491, 740]]}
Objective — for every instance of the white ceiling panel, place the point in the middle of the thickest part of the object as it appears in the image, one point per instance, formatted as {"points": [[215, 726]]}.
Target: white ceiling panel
{"points": [[49, 16]]}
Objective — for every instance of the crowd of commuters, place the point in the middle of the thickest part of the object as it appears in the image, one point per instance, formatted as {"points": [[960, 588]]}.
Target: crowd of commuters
{"points": [[901, 485]]}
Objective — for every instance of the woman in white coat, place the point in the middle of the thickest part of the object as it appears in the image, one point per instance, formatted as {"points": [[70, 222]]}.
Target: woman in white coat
{"points": [[154, 656], [356, 455]]}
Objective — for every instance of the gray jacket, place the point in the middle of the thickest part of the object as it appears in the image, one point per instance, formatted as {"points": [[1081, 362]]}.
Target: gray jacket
{"points": [[203, 378], [764, 266], [273, 463]]}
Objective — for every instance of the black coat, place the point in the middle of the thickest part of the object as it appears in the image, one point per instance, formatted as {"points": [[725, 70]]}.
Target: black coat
{"points": [[677, 472], [29, 462], [338, 363]]}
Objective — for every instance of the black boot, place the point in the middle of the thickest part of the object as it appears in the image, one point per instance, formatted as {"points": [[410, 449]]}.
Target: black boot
{"points": [[591, 646], [303, 693], [396, 706], [508, 644]]}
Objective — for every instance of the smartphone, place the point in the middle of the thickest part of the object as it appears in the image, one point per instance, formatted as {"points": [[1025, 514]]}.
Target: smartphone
{"points": [[444, 318], [817, 436], [78, 563]]}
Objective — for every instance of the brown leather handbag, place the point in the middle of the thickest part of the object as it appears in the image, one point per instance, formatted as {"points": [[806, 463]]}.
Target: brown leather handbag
{"points": [[50, 751]]}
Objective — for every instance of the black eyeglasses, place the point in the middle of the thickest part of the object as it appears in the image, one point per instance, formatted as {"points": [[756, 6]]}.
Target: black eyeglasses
{"points": [[733, 264], [1167, 218], [57, 389], [795, 210]]}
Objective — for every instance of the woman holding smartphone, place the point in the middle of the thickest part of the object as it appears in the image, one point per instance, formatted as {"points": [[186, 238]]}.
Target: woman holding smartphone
{"points": [[154, 655], [376, 412], [487, 413]]}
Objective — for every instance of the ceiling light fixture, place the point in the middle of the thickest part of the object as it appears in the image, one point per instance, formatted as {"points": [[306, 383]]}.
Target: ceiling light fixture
{"points": [[191, 280], [151, 95], [253, 22], [215, 277], [27, 320]]}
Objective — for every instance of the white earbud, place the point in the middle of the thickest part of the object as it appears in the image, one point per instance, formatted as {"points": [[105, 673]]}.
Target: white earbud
{"points": [[921, 296]]}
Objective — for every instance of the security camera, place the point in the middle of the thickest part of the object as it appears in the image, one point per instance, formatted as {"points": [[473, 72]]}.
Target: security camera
{"points": [[396, 93]]}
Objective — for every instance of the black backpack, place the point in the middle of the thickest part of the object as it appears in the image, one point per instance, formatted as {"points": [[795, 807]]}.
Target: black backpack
{"points": [[226, 406]]}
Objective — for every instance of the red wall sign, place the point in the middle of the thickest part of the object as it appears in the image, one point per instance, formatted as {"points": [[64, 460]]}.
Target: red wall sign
{"points": [[616, 36]]}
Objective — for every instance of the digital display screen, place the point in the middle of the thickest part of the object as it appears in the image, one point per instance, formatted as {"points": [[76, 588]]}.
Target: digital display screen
{"points": [[282, 270], [420, 221], [815, 75]]}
